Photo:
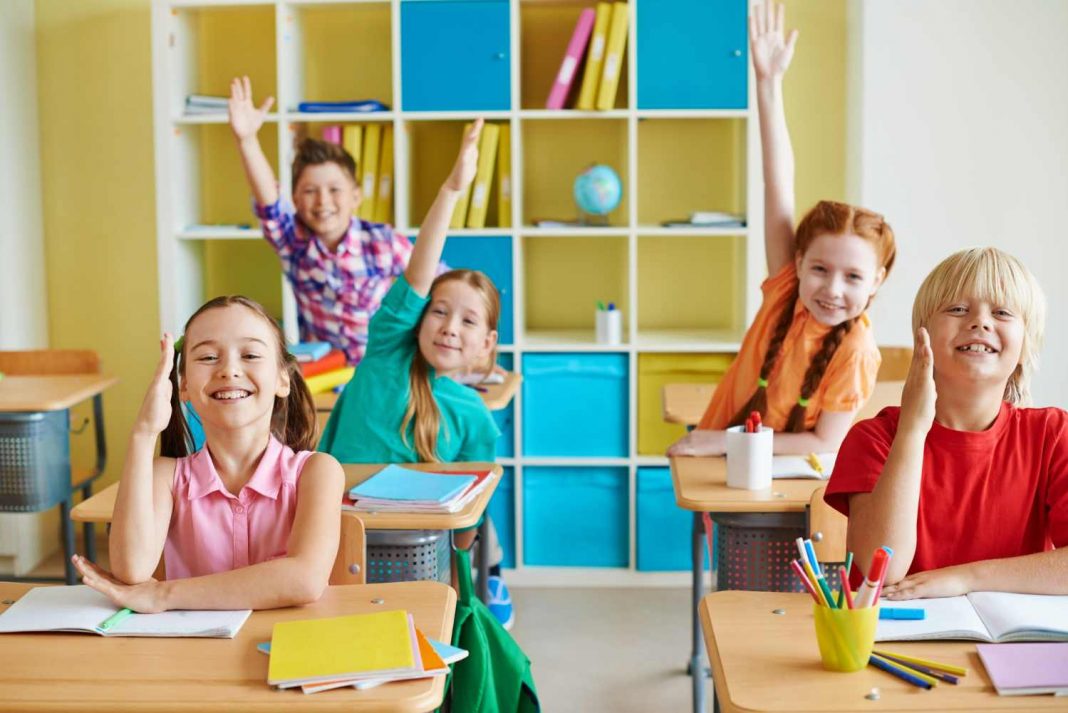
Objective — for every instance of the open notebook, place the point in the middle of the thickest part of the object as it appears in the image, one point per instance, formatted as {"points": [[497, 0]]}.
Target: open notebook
{"points": [[801, 467], [83, 609], [982, 616]]}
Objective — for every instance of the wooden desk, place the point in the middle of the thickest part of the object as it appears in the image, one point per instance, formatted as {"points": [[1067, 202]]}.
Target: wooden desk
{"points": [[770, 662], [495, 396], [87, 672]]}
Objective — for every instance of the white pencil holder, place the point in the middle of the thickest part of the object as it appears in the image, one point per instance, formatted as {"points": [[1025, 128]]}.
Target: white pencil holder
{"points": [[749, 458], [609, 326]]}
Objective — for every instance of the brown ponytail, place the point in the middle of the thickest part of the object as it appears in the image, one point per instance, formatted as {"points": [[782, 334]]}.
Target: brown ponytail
{"points": [[176, 441], [795, 423], [759, 400]]}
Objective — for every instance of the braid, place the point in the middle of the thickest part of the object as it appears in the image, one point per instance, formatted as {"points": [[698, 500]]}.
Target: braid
{"points": [[796, 421], [759, 400]]}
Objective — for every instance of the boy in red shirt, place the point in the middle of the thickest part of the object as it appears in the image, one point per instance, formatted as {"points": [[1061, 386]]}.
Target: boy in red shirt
{"points": [[968, 488]]}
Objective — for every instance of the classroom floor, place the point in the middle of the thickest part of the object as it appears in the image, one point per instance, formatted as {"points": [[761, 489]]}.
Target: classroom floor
{"points": [[623, 650]]}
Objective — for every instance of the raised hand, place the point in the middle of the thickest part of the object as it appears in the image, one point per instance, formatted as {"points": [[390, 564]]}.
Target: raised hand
{"points": [[771, 51], [918, 397], [155, 411], [463, 171], [245, 118]]}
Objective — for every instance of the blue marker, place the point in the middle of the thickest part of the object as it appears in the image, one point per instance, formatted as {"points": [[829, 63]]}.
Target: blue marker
{"points": [[903, 614], [611, 306]]}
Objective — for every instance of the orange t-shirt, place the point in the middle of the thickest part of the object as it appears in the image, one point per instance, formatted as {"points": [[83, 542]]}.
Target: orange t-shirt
{"points": [[846, 385]]}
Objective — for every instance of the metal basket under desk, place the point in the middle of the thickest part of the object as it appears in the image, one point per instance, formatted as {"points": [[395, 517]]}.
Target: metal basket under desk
{"points": [[409, 555], [755, 549], [34, 460]]}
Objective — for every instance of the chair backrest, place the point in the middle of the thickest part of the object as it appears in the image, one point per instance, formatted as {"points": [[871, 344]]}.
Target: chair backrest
{"points": [[826, 528], [885, 393], [49, 362], [895, 364], [350, 567]]}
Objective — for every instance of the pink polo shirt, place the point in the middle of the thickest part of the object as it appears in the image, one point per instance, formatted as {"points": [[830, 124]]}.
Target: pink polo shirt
{"points": [[213, 530]]}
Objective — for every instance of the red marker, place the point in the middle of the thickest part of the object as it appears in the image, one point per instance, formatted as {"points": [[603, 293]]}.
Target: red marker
{"points": [[869, 591], [755, 416]]}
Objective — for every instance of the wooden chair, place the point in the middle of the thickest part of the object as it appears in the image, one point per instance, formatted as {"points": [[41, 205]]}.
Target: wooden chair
{"points": [[57, 362], [826, 527], [895, 365], [350, 567]]}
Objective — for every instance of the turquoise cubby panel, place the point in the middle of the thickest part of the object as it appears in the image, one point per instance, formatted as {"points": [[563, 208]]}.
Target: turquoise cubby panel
{"points": [[575, 405], [663, 527], [455, 55], [692, 54], [575, 516], [501, 510], [505, 417], [493, 256]]}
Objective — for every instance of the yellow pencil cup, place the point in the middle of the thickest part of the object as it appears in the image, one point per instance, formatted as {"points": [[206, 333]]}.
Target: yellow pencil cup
{"points": [[845, 636]]}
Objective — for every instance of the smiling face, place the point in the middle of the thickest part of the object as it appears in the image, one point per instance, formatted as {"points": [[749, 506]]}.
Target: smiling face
{"points": [[231, 371], [455, 334], [976, 342], [838, 275], [325, 197]]}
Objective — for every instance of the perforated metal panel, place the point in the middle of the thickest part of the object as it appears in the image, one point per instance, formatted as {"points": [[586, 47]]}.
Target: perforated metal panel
{"points": [[409, 555], [34, 460]]}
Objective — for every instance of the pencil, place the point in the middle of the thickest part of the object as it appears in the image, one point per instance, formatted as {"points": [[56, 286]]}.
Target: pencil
{"points": [[909, 660], [941, 676], [915, 678], [804, 580], [812, 578], [846, 592]]}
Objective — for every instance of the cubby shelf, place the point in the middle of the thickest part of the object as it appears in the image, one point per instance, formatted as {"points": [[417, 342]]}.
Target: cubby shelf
{"points": [[680, 137]]}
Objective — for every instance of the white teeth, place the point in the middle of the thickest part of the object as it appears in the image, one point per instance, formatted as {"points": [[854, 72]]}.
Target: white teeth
{"points": [[976, 348], [230, 395]]}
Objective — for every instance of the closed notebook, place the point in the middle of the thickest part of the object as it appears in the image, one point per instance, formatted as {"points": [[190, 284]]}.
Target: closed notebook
{"points": [[801, 466], [482, 479], [982, 616], [83, 609], [309, 351], [335, 359], [591, 75], [569, 66], [396, 483], [1026, 669], [431, 663]]}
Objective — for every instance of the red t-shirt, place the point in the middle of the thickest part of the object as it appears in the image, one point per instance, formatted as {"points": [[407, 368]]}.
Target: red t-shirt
{"points": [[1002, 492]]}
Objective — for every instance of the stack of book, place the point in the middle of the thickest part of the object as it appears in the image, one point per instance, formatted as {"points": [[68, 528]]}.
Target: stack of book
{"points": [[397, 489], [355, 651], [322, 366], [599, 39], [472, 207], [197, 104], [371, 145]]}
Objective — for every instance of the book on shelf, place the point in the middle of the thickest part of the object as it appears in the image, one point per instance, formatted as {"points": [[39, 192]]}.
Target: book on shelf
{"points": [[309, 351], [982, 616], [334, 359], [459, 213], [332, 134], [359, 106], [572, 60], [591, 75], [197, 104], [707, 219], [504, 177], [402, 489], [613, 57], [352, 141], [83, 609], [372, 137], [1026, 669], [383, 212], [480, 187]]}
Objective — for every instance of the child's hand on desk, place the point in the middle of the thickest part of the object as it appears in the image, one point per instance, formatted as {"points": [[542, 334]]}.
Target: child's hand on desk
{"points": [[918, 397], [463, 171], [143, 598], [155, 411], [945, 582], [700, 443]]}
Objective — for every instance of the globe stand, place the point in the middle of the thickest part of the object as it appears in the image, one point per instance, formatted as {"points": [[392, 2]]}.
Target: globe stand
{"points": [[591, 220]]}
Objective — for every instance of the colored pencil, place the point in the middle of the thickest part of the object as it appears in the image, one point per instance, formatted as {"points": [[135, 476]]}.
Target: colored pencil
{"points": [[941, 676], [804, 580], [895, 670], [812, 578], [846, 592], [956, 670]]}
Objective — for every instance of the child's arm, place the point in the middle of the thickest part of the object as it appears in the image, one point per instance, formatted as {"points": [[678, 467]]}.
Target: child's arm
{"points": [[888, 515], [246, 120], [298, 578], [831, 429], [143, 504], [1040, 573], [423, 266], [771, 58]]}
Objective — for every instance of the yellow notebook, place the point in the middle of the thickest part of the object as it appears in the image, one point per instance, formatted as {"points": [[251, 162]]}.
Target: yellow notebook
{"points": [[372, 136], [352, 136], [324, 382], [504, 177], [613, 58], [341, 647], [384, 194], [480, 188], [459, 213], [591, 78]]}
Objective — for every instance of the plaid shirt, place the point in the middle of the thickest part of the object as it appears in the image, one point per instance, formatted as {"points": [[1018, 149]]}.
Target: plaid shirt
{"points": [[337, 293]]}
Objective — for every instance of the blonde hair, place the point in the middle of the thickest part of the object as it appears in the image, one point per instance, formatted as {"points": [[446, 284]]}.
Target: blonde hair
{"points": [[993, 276], [422, 413]]}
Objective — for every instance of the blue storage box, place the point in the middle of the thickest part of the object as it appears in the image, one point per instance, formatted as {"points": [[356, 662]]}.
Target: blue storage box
{"points": [[493, 256], [501, 510], [505, 417], [663, 527], [575, 516], [575, 405]]}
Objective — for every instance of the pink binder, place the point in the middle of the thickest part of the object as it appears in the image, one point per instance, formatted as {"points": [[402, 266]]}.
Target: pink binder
{"points": [[332, 134], [572, 60]]}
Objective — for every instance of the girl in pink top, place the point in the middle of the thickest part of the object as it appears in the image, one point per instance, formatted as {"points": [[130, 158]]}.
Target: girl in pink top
{"points": [[251, 520]]}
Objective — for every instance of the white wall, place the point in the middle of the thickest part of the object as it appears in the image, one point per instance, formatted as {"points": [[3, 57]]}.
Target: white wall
{"points": [[959, 136]]}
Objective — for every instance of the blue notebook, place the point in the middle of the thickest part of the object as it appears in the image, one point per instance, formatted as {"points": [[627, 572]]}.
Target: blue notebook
{"points": [[356, 107], [309, 351], [396, 483]]}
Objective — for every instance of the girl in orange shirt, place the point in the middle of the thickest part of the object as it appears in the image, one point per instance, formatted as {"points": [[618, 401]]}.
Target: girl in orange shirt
{"points": [[809, 360]]}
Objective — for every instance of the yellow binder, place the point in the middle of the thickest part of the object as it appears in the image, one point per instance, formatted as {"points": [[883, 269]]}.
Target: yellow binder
{"points": [[384, 195], [372, 136], [504, 177], [594, 58], [480, 189], [459, 213], [613, 58], [351, 141]]}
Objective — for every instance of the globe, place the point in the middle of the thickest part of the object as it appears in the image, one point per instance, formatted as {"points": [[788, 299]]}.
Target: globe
{"points": [[598, 190]]}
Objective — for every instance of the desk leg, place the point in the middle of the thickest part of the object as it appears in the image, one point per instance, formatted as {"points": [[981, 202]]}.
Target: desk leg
{"points": [[697, 663], [482, 561]]}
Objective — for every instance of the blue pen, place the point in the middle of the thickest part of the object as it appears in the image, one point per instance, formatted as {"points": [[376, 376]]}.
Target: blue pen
{"points": [[812, 557], [611, 306], [899, 672]]}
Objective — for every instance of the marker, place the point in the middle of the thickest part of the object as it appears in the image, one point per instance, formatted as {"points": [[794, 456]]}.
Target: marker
{"points": [[845, 592], [879, 592], [812, 557], [804, 580], [755, 415], [873, 581], [114, 619], [611, 306], [902, 614], [600, 306]]}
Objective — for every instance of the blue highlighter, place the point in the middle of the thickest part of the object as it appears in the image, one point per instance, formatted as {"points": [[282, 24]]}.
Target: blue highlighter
{"points": [[902, 614]]}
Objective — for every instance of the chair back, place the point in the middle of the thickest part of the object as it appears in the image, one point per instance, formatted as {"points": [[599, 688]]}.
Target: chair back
{"points": [[350, 567], [826, 528], [895, 364], [49, 362]]}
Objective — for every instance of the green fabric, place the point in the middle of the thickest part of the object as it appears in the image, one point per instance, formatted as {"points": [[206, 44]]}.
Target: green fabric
{"points": [[495, 677], [364, 426]]}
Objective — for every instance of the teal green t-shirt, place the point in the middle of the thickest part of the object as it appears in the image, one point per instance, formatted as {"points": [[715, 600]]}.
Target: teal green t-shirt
{"points": [[364, 426]]}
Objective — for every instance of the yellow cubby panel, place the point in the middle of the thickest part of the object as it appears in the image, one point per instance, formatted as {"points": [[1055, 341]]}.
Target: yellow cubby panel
{"points": [[656, 371], [432, 149], [687, 165], [546, 29], [555, 152], [244, 267], [236, 42], [357, 38], [688, 282], [224, 192], [565, 278]]}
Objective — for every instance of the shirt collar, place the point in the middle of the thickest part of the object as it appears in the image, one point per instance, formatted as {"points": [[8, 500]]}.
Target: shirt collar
{"points": [[204, 478]]}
